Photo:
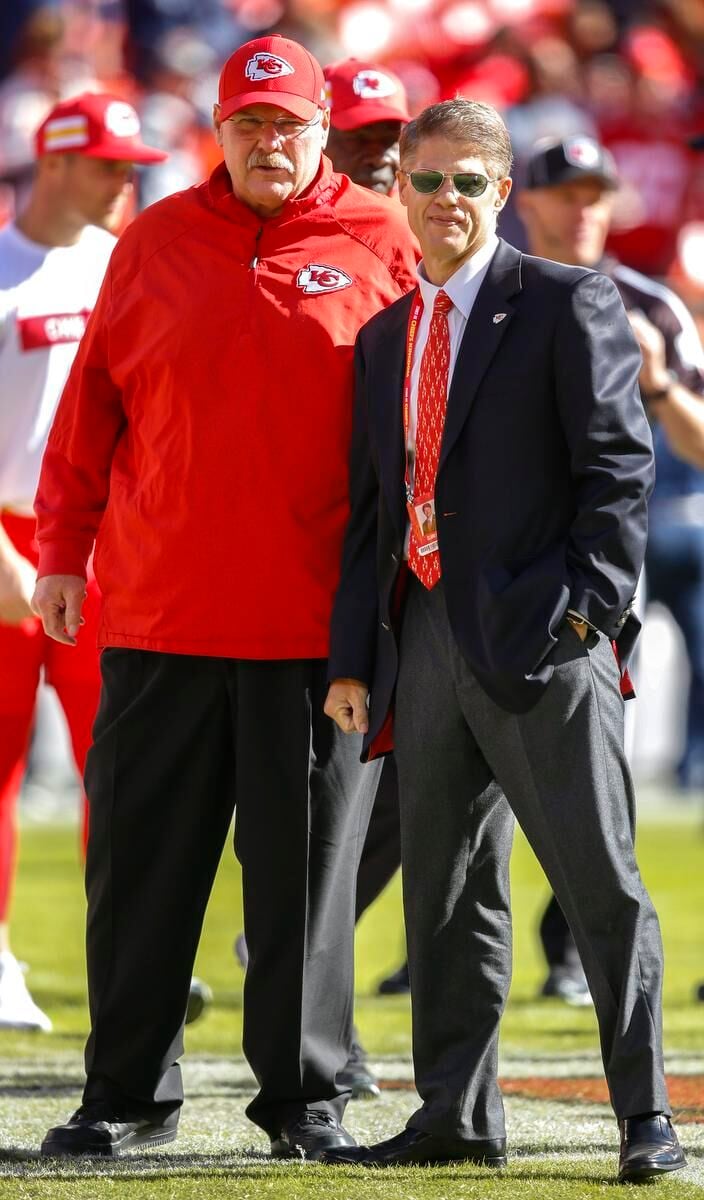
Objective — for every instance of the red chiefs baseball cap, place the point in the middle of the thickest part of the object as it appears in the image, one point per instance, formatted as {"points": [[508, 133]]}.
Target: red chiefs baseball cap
{"points": [[272, 70], [360, 93], [96, 125]]}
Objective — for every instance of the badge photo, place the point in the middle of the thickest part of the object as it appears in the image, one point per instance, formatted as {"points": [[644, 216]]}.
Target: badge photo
{"points": [[421, 512]]}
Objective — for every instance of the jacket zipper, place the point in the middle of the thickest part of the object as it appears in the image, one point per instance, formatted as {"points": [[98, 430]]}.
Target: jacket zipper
{"points": [[254, 265]]}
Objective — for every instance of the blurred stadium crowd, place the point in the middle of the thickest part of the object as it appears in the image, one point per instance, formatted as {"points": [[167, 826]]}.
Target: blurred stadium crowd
{"points": [[628, 71]]}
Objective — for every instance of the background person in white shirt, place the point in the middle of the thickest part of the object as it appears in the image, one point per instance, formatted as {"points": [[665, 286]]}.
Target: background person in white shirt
{"points": [[52, 262]]}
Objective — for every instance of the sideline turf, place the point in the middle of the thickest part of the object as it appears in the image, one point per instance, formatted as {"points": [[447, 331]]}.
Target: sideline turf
{"points": [[48, 932]]}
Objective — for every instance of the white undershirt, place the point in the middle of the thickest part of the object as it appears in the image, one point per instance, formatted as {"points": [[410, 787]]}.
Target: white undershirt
{"points": [[46, 295], [462, 288]]}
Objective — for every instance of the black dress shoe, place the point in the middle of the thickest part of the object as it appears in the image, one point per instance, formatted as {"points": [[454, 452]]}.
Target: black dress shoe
{"points": [[309, 1135], [649, 1147], [357, 1076], [411, 1148], [397, 984], [95, 1129]]}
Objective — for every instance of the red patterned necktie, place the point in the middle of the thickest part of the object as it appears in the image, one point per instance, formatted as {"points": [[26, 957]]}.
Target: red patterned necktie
{"points": [[432, 406]]}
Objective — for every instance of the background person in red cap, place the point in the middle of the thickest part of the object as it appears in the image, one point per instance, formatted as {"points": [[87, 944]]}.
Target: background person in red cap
{"points": [[52, 262], [216, 379], [368, 109]]}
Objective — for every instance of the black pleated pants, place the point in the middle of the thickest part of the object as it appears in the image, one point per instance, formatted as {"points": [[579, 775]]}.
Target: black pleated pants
{"points": [[180, 742]]}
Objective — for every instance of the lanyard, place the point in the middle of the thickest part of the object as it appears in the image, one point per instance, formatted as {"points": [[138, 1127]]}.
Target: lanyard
{"points": [[413, 322]]}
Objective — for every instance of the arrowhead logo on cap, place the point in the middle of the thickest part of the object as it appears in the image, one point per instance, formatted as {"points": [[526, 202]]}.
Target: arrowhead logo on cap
{"points": [[582, 152], [121, 119], [264, 65], [370, 85]]}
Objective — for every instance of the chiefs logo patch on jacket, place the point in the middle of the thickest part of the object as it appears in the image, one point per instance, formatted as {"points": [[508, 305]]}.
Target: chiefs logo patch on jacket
{"points": [[317, 277]]}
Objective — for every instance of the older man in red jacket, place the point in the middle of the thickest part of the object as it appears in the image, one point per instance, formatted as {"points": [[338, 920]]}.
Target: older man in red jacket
{"points": [[202, 444]]}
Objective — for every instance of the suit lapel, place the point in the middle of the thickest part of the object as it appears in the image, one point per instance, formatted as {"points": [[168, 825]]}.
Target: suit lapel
{"points": [[488, 321], [386, 405]]}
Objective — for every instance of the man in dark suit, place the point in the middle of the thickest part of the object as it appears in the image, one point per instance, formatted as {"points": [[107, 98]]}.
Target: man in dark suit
{"points": [[504, 390]]}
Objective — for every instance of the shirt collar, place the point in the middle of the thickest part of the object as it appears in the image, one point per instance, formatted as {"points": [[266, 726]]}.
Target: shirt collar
{"points": [[463, 285], [318, 192]]}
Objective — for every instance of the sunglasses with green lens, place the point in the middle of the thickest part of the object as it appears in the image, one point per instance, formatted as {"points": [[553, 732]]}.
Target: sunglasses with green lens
{"points": [[467, 184]]}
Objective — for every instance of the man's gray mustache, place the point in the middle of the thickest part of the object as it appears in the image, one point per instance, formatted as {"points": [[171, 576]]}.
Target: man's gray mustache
{"points": [[270, 160]]}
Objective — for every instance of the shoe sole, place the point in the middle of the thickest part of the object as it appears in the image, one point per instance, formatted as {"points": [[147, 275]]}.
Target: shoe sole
{"points": [[26, 1027], [132, 1141], [365, 1091], [283, 1150], [497, 1163], [641, 1174]]}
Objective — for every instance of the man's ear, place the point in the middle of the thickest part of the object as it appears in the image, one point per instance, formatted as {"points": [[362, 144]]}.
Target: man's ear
{"points": [[217, 124], [325, 127], [503, 192]]}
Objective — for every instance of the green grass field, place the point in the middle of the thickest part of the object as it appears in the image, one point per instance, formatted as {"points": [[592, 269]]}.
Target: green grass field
{"points": [[560, 1148]]}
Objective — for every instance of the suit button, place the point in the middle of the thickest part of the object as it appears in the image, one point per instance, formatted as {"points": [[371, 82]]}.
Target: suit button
{"points": [[394, 558], [385, 626]]}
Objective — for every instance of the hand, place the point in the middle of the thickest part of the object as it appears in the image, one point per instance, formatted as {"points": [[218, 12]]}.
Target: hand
{"points": [[654, 375], [58, 600], [346, 703], [17, 580]]}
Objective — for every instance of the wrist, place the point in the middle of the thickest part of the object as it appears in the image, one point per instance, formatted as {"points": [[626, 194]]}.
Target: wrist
{"points": [[660, 389]]}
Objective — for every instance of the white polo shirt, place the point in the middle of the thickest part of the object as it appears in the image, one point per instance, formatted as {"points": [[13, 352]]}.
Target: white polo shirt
{"points": [[46, 296]]}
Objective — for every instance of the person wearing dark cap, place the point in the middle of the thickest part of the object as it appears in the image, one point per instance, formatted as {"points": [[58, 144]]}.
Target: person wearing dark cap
{"points": [[202, 444], [368, 109], [504, 391], [52, 262], [566, 206]]}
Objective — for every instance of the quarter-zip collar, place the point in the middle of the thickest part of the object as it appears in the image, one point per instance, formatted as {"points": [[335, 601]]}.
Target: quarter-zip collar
{"points": [[319, 192]]}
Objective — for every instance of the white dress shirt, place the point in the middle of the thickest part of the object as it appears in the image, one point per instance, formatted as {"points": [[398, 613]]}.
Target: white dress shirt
{"points": [[462, 288]]}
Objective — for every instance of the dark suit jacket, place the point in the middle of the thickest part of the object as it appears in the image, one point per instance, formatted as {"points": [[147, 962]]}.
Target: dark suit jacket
{"points": [[545, 470]]}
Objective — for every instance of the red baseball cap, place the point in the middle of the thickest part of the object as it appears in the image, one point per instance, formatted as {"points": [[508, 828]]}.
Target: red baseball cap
{"points": [[360, 93], [96, 125], [272, 70]]}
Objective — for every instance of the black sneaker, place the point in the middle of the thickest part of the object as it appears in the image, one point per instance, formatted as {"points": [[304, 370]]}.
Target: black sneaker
{"points": [[357, 1076], [397, 984], [94, 1129], [200, 997], [568, 984], [310, 1135]]}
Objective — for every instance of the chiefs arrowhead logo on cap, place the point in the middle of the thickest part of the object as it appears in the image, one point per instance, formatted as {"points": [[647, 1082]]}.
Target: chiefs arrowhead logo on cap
{"points": [[370, 85], [121, 119], [317, 278], [267, 66], [582, 152]]}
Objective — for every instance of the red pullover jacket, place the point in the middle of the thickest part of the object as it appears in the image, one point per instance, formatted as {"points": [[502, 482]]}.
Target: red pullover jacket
{"points": [[202, 437]]}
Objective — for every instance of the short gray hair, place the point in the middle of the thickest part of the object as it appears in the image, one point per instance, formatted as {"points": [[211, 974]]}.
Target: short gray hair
{"points": [[476, 126]]}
